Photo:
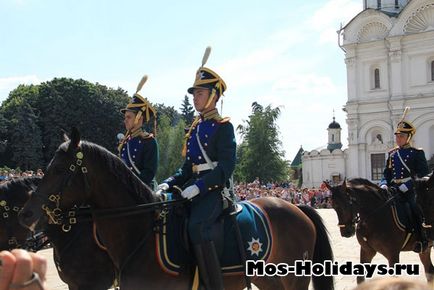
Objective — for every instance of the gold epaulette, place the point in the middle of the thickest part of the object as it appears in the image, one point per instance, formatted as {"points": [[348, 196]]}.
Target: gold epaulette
{"points": [[225, 120], [146, 135], [393, 149]]}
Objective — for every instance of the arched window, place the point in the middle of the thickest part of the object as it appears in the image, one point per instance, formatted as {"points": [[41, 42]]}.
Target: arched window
{"points": [[376, 78], [333, 137], [432, 70], [378, 4], [396, 4]]}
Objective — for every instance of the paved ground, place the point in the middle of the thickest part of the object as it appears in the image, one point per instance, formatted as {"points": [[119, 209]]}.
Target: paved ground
{"points": [[345, 249]]}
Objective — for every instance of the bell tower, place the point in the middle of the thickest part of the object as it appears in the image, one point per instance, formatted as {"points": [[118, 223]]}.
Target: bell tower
{"points": [[334, 133]]}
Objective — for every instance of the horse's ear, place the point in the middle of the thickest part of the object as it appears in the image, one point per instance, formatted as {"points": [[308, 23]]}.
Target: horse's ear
{"points": [[64, 135], [327, 185], [344, 184], [75, 138]]}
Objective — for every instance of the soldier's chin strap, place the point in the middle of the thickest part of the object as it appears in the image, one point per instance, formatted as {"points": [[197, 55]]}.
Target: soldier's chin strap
{"points": [[210, 98], [410, 136]]}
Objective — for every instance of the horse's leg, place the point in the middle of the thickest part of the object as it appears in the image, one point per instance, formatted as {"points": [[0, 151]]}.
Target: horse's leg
{"points": [[269, 283], [366, 255], [425, 258]]}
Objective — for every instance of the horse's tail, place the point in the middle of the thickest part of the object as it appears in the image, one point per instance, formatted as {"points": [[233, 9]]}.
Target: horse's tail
{"points": [[323, 250]]}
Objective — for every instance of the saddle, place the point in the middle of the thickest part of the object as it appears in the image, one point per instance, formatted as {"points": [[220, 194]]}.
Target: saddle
{"points": [[172, 245]]}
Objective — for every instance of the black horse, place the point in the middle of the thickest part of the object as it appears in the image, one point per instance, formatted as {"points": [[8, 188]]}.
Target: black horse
{"points": [[424, 188], [80, 262], [12, 234]]}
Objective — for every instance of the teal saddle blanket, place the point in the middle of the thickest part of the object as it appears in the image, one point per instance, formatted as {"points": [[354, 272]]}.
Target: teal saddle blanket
{"points": [[254, 224]]}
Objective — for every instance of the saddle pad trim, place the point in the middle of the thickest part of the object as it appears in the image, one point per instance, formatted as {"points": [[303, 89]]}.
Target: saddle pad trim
{"points": [[396, 219], [158, 254]]}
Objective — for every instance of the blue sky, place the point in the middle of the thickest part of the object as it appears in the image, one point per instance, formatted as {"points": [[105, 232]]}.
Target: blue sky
{"points": [[278, 52]]}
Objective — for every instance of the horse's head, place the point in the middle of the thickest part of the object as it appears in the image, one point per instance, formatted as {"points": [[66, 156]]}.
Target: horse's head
{"points": [[343, 204], [62, 185], [424, 188], [13, 195]]}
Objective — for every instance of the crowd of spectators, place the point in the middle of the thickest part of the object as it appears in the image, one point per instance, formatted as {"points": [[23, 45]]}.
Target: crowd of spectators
{"points": [[8, 174], [315, 197]]}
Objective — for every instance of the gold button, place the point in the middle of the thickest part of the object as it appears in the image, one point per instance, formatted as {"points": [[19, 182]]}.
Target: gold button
{"points": [[200, 157], [206, 144], [216, 186], [209, 188], [206, 135]]}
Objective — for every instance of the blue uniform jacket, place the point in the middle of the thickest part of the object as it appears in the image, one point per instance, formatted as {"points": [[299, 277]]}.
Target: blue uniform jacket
{"points": [[143, 149], [218, 140], [395, 170]]}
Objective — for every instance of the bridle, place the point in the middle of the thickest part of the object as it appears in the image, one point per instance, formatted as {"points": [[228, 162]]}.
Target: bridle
{"points": [[55, 214], [67, 218], [355, 218], [32, 241]]}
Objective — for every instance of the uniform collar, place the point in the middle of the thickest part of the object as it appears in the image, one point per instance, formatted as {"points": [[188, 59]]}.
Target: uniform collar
{"points": [[405, 146], [211, 115], [136, 133]]}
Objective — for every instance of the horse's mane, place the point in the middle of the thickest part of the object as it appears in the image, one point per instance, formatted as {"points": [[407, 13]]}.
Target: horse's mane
{"points": [[12, 188], [361, 184], [20, 182], [137, 189]]}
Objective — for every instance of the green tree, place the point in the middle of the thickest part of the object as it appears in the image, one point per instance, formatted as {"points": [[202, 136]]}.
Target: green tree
{"points": [[3, 131], [170, 140], [170, 112], [26, 141], [19, 128], [261, 155], [61, 104], [187, 111]]}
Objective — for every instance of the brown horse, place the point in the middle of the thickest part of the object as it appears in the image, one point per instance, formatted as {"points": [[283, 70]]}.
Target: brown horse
{"points": [[80, 262], [424, 188], [106, 183], [362, 208]]}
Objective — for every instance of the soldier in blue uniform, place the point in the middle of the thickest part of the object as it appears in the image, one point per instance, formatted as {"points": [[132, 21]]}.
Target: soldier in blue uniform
{"points": [[404, 162], [209, 152], [138, 148]]}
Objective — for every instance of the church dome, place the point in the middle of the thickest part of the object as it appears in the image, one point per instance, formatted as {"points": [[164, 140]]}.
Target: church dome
{"points": [[334, 125]]}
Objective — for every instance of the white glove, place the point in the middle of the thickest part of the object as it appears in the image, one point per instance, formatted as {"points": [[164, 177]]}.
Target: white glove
{"points": [[403, 187], [190, 192], [384, 186], [163, 187]]}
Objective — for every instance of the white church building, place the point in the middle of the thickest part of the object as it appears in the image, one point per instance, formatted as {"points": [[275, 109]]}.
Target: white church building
{"points": [[389, 56]]}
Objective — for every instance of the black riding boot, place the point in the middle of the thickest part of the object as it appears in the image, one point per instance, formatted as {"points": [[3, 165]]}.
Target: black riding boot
{"points": [[209, 266], [422, 245]]}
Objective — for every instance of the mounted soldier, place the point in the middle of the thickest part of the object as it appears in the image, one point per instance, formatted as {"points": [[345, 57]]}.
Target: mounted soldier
{"points": [[209, 152], [138, 148], [403, 163]]}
